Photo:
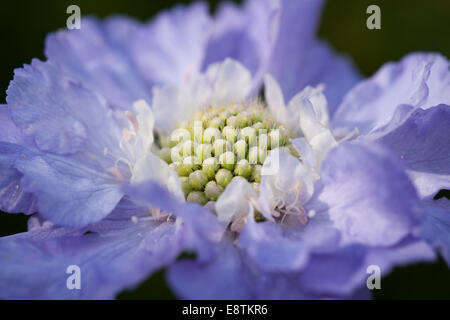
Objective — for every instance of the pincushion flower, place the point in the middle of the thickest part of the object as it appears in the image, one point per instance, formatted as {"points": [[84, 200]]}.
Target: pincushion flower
{"points": [[345, 198], [87, 141]]}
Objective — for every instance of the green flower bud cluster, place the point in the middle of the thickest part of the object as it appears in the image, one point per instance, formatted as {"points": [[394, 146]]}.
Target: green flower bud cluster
{"points": [[219, 144]]}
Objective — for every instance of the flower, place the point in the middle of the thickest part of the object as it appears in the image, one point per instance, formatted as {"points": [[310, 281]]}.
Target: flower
{"points": [[342, 202], [98, 154]]}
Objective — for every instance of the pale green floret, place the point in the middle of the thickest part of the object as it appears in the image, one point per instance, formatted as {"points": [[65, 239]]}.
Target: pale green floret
{"points": [[255, 186], [176, 154], [211, 135], [263, 141], [223, 177], [198, 180], [166, 142], [220, 146], [216, 123], [206, 160], [243, 169], [253, 155], [210, 167], [213, 190], [174, 165], [188, 148], [203, 152], [256, 173], [274, 139], [165, 154], [229, 133], [227, 160], [248, 134], [185, 185], [244, 119], [184, 170], [255, 115], [225, 115], [240, 149], [262, 154], [234, 122], [198, 197], [269, 124], [258, 126]]}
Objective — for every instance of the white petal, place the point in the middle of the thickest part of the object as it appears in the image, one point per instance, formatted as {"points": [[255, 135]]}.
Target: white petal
{"points": [[275, 99], [322, 144], [171, 105], [293, 184], [307, 154], [152, 167], [312, 106], [146, 123], [234, 203], [232, 84]]}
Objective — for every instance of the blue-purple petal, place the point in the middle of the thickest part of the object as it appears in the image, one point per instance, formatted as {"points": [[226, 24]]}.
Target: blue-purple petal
{"points": [[436, 227], [299, 59], [422, 142], [169, 49], [371, 199], [419, 80], [98, 55], [203, 230], [245, 33], [270, 249], [13, 198], [67, 192], [34, 264]]}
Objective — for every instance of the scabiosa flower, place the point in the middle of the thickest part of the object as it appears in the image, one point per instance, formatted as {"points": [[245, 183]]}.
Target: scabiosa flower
{"points": [[340, 200], [122, 190]]}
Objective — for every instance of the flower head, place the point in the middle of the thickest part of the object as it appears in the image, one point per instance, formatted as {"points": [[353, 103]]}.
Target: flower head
{"points": [[133, 151]]}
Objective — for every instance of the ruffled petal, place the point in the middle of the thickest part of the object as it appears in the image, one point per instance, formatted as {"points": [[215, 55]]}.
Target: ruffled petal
{"points": [[234, 203], [170, 106], [170, 49], [346, 270], [299, 60], [422, 142], [338, 273], [285, 182], [202, 229], [418, 80], [75, 145], [59, 114], [67, 192], [371, 199], [233, 275], [336, 71], [152, 167], [222, 278], [436, 227], [275, 99], [232, 83], [13, 198], [272, 251], [98, 55], [34, 264], [246, 34]]}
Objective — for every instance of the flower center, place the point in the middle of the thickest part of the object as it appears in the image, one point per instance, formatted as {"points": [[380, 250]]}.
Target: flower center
{"points": [[219, 144]]}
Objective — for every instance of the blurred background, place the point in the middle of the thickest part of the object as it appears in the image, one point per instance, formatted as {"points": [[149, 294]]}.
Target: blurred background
{"points": [[407, 25]]}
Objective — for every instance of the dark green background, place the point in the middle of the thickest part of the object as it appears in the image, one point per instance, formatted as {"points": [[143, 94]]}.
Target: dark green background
{"points": [[407, 25]]}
